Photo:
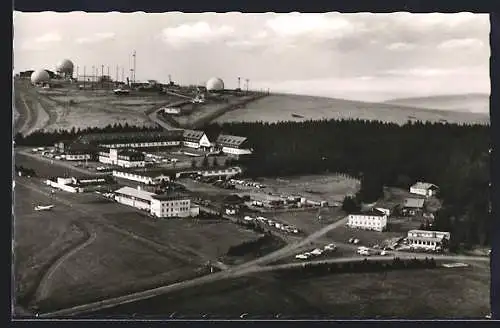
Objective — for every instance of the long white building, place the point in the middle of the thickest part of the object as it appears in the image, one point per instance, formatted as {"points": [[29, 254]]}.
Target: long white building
{"points": [[427, 240], [162, 206], [368, 220], [170, 138], [123, 158]]}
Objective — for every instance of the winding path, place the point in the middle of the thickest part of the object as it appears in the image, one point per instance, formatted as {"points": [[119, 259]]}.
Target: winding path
{"points": [[44, 285]]}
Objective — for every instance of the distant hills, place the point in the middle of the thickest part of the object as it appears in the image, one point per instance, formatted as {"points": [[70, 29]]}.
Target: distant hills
{"points": [[290, 107], [469, 103]]}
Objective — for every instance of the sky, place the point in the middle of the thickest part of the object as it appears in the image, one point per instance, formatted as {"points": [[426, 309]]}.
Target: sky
{"points": [[361, 56]]}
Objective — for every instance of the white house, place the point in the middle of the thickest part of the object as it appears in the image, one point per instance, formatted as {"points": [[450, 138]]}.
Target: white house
{"points": [[123, 158], [428, 240], [171, 110], [368, 220], [161, 206], [424, 189], [196, 139], [233, 145]]}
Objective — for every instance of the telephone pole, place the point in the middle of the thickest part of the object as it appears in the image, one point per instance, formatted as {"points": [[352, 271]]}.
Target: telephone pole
{"points": [[133, 78], [239, 83], [84, 76]]}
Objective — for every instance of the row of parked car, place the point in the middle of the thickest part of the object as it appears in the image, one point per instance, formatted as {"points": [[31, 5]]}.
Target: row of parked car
{"points": [[316, 252], [272, 223], [214, 181], [246, 183]]}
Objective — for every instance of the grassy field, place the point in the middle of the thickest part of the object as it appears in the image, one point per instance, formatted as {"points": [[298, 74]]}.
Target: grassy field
{"points": [[210, 239], [45, 168], [473, 103], [417, 294], [112, 265], [39, 238], [89, 108], [276, 108], [329, 187]]}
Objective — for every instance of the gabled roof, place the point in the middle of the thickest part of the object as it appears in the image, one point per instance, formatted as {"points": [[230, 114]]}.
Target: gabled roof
{"points": [[132, 192], [414, 202], [424, 185], [230, 141], [192, 135]]}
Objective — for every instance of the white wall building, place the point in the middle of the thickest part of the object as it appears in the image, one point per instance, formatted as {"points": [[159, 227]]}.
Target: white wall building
{"points": [[77, 157], [430, 240], [170, 138], [368, 220], [223, 172], [233, 145], [123, 158], [150, 178], [161, 206], [196, 139], [424, 189]]}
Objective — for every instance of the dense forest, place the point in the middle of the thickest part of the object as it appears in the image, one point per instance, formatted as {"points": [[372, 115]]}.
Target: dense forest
{"points": [[455, 157]]}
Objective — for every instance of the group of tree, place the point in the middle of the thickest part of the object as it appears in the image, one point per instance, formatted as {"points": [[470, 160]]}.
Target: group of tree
{"points": [[257, 247], [322, 269], [25, 171], [49, 138], [453, 156]]}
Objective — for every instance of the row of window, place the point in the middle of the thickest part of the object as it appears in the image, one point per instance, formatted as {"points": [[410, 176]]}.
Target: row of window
{"points": [[366, 223], [172, 204], [182, 209], [423, 242], [143, 144]]}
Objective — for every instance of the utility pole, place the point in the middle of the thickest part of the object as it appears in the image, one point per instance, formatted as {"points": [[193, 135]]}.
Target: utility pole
{"points": [[84, 76], [77, 72], [123, 74], [133, 79], [116, 79], [93, 74], [108, 78], [239, 83], [247, 80], [102, 76]]}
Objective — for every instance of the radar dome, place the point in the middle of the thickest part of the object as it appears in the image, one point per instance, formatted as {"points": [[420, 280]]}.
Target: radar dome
{"points": [[65, 67], [40, 76], [215, 84]]}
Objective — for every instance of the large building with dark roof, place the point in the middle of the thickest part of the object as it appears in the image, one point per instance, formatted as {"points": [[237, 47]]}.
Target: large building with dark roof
{"points": [[233, 145], [196, 139], [134, 139], [122, 157]]}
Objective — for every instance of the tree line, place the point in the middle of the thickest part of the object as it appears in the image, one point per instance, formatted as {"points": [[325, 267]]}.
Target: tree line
{"points": [[310, 270], [454, 157], [49, 138]]}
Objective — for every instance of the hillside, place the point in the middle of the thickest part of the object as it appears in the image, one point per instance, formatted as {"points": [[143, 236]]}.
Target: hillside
{"points": [[472, 103], [281, 107]]}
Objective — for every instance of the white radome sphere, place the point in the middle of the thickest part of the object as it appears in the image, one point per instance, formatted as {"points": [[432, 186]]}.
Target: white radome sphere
{"points": [[40, 76], [215, 84], [65, 66]]}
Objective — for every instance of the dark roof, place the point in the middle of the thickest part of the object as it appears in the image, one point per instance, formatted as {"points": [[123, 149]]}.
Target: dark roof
{"points": [[129, 152], [414, 202], [171, 195], [192, 135], [106, 138], [230, 141], [371, 212], [80, 148]]}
